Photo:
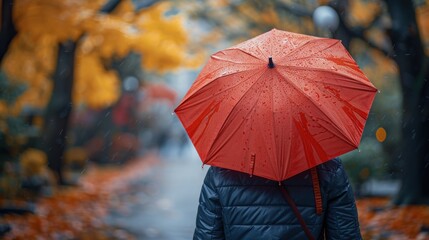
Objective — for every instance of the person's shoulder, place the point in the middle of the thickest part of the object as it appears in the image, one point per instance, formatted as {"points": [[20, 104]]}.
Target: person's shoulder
{"points": [[218, 175], [331, 166], [333, 174], [332, 171]]}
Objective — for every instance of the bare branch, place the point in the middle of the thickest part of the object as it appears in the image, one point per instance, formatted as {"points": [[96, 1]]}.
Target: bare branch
{"points": [[359, 33]]}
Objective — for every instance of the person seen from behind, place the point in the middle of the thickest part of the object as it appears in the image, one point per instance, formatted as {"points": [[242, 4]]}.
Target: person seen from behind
{"points": [[315, 204]]}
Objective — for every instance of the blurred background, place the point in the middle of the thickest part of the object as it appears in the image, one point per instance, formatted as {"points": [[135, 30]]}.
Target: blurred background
{"points": [[90, 147]]}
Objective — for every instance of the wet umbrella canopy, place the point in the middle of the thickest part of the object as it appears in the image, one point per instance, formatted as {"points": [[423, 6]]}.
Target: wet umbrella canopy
{"points": [[277, 105]]}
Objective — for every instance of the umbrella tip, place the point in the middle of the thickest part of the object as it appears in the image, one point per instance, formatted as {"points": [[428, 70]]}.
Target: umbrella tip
{"points": [[270, 62]]}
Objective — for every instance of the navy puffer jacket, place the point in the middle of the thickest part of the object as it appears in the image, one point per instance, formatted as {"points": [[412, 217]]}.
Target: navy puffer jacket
{"points": [[235, 206]]}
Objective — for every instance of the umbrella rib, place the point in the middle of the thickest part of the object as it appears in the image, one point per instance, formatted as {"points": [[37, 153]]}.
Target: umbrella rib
{"points": [[310, 79], [232, 110], [219, 92], [300, 48], [323, 112], [215, 57], [290, 145], [223, 75], [239, 63], [334, 84], [340, 137], [344, 137], [273, 121], [290, 127], [230, 61], [241, 50], [262, 52], [274, 140], [366, 83]]}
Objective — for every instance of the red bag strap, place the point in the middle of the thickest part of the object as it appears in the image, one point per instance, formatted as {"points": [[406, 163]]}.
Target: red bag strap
{"points": [[316, 189], [295, 210]]}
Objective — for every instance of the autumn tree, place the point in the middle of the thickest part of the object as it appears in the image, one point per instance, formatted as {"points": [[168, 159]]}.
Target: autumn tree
{"points": [[413, 65], [62, 51], [387, 38]]}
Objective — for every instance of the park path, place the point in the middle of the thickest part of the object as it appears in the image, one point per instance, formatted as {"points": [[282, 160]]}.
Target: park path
{"points": [[163, 204]]}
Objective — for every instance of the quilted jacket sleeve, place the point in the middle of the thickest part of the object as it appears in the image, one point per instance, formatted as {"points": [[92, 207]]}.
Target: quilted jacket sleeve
{"points": [[209, 224], [341, 215]]}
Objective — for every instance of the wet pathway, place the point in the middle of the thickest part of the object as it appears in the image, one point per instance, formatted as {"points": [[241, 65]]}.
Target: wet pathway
{"points": [[163, 204]]}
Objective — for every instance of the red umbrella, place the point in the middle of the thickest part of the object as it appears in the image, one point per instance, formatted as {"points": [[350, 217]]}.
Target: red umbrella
{"points": [[277, 104]]}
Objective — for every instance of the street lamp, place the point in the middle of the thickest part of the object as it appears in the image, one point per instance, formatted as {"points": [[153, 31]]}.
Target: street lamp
{"points": [[326, 18]]}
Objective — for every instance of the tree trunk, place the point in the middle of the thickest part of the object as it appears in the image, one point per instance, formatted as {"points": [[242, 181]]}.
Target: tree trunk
{"points": [[8, 31], [412, 64], [59, 109], [54, 139]]}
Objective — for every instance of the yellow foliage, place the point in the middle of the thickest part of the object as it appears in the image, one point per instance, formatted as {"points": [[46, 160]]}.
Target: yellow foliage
{"points": [[161, 40], [362, 12], [385, 65], [267, 16], [377, 35], [31, 65], [38, 122], [212, 37], [4, 111], [62, 20], [111, 35], [250, 12], [3, 108], [94, 85], [196, 60], [125, 11], [33, 162], [76, 156], [43, 24]]}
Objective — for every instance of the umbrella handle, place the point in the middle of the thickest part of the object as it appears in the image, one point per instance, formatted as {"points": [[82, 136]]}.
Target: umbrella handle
{"points": [[252, 164], [316, 190]]}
